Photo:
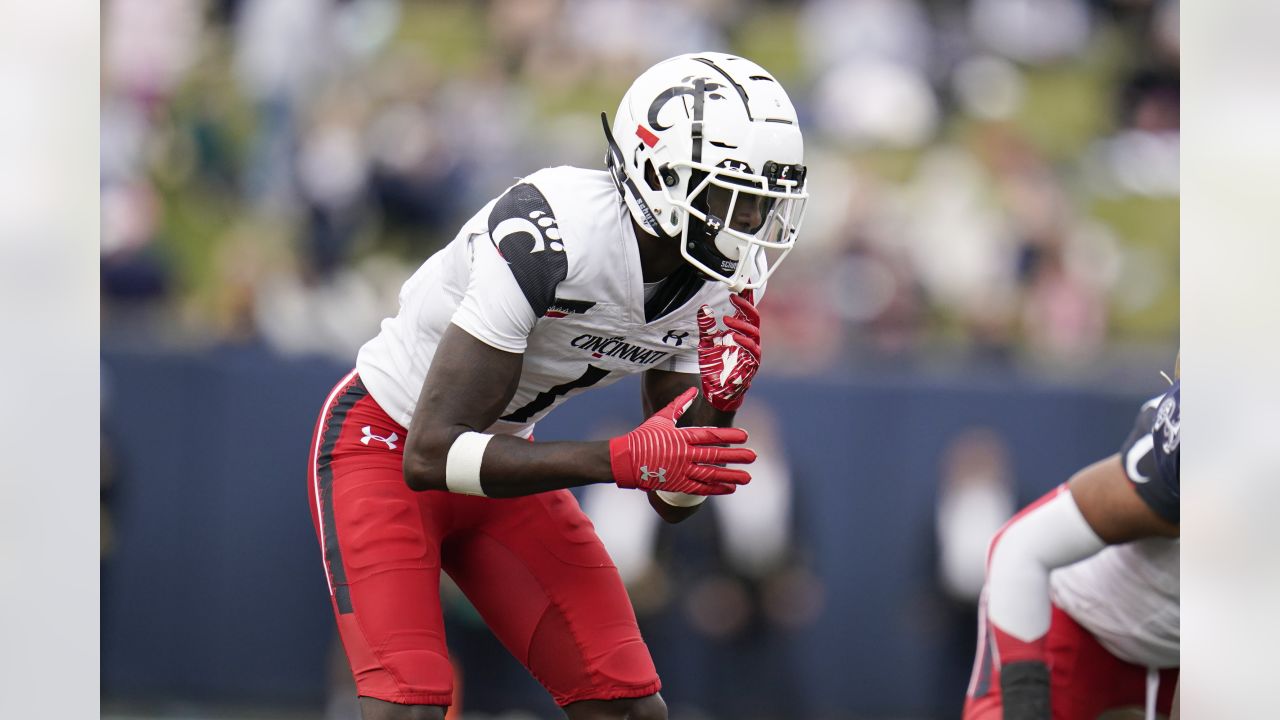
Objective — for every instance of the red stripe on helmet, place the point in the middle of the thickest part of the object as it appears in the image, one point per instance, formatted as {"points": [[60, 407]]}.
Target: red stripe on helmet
{"points": [[649, 138]]}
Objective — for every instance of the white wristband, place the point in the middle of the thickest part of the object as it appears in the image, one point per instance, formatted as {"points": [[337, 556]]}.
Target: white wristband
{"points": [[462, 466], [679, 499]]}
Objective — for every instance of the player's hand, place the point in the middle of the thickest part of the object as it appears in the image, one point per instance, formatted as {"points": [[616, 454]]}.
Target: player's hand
{"points": [[660, 456], [728, 359]]}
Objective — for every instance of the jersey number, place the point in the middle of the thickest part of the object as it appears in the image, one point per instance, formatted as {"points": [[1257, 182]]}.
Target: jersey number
{"points": [[547, 398]]}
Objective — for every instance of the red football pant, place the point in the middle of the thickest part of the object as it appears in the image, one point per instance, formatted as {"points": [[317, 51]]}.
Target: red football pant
{"points": [[1085, 678], [533, 567]]}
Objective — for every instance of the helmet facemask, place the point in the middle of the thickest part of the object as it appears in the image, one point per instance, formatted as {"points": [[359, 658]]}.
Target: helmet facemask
{"points": [[741, 224]]}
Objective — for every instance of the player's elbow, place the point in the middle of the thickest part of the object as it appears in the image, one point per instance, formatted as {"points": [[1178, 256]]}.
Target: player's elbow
{"points": [[1011, 556], [422, 474], [1048, 535], [424, 461]]}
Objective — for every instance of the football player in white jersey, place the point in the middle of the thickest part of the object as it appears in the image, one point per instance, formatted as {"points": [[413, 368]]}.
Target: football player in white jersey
{"points": [[1080, 612], [422, 458]]}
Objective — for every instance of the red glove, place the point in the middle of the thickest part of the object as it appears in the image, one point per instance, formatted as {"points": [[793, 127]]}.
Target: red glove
{"points": [[729, 359], [660, 456]]}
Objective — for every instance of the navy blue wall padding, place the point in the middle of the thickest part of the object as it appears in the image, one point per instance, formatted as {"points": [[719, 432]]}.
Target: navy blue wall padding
{"points": [[215, 590]]}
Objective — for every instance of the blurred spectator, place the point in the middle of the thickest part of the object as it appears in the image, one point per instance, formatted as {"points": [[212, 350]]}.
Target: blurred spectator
{"points": [[988, 87], [637, 33], [975, 497], [1032, 31], [332, 171], [148, 47], [133, 269], [299, 314], [1063, 316], [979, 169], [870, 57], [280, 48], [840, 31], [871, 103], [1142, 156]]}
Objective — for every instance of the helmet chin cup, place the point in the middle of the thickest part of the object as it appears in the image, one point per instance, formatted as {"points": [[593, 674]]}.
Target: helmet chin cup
{"points": [[728, 246]]}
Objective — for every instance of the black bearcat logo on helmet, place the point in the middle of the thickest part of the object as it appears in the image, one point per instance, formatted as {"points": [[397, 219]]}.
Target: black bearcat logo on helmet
{"points": [[700, 88]]}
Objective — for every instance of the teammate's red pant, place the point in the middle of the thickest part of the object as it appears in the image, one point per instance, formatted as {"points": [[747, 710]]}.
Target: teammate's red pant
{"points": [[1085, 678], [532, 566]]}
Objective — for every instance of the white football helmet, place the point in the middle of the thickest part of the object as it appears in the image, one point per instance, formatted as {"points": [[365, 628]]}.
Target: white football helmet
{"points": [[706, 150]]}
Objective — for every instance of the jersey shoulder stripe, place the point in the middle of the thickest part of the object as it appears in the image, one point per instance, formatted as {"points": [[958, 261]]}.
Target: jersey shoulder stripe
{"points": [[523, 227]]}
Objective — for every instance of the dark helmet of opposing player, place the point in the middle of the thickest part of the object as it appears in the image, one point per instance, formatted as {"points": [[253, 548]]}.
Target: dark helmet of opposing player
{"points": [[701, 142]]}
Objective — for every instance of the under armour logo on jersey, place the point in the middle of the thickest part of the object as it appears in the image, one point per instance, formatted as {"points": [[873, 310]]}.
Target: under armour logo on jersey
{"points": [[646, 476], [390, 440], [673, 337]]}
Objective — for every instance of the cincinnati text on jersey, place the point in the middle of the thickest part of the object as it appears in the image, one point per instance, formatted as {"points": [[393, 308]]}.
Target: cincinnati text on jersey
{"points": [[616, 347]]}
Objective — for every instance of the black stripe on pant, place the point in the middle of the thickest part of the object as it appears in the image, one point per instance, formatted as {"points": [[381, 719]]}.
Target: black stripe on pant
{"points": [[324, 476]]}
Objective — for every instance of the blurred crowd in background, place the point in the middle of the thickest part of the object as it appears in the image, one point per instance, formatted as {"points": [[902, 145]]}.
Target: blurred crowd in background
{"points": [[993, 182]]}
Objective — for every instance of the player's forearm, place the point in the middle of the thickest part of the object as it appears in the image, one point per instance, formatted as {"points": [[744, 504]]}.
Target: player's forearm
{"points": [[704, 415], [506, 466], [513, 467]]}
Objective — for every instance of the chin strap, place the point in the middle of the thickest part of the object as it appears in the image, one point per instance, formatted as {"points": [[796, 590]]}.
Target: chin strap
{"points": [[614, 161], [702, 244]]}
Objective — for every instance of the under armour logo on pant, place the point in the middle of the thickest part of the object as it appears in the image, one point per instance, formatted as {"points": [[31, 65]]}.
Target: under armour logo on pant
{"points": [[646, 476], [390, 440]]}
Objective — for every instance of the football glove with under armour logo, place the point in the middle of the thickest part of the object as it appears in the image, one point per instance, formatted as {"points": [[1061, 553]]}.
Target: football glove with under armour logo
{"points": [[728, 359], [660, 456]]}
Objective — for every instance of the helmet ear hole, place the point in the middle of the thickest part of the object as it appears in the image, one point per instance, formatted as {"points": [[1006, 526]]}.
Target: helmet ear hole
{"points": [[650, 175]]}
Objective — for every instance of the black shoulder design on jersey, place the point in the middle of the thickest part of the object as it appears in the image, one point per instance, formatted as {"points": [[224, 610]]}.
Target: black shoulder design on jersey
{"points": [[1150, 455], [524, 229]]}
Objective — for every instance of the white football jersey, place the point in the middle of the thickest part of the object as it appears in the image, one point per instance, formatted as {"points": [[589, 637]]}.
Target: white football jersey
{"points": [[1128, 597], [550, 269]]}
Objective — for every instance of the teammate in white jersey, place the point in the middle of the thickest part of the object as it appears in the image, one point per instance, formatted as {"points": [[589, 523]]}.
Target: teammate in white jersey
{"points": [[422, 458], [1080, 613]]}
